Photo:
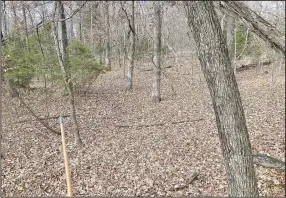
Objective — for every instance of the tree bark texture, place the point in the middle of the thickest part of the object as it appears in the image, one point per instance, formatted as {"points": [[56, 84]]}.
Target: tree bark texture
{"points": [[156, 84], [260, 26], [231, 124], [132, 52]]}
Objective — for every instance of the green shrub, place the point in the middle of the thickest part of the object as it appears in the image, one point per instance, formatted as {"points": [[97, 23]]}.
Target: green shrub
{"points": [[27, 61], [20, 68], [82, 66]]}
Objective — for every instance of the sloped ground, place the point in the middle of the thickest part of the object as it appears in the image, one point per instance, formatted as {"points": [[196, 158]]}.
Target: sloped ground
{"points": [[123, 156]]}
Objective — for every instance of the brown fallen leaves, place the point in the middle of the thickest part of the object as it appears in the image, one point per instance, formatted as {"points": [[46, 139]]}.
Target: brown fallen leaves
{"points": [[157, 160]]}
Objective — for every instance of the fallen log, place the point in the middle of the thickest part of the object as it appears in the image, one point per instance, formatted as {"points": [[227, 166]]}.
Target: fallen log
{"points": [[268, 162], [248, 66]]}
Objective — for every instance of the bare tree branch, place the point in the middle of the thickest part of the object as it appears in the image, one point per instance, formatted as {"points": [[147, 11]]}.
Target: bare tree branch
{"points": [[259, 25]]}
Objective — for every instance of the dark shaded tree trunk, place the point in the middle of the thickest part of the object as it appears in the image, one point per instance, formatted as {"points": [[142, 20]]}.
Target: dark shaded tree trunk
{"points": [[259, 26], [156, 84], [231, 124], [2, 39], [132, 52]]}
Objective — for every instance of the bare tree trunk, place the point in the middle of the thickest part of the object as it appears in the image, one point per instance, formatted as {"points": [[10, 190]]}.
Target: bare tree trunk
{"points": [[15, 16], [91, 26], [63, 61], [259, 26], [25, 23], [107, 47], [30, 16], [230, 38], [124, 51], [15, 19], [100, 52], [71, 24], [156, 92], [5, 31], [80, 25], [227, 104], [132, 51]]}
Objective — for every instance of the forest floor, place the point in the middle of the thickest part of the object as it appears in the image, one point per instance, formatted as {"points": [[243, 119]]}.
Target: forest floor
{"points": [[136, 148]]}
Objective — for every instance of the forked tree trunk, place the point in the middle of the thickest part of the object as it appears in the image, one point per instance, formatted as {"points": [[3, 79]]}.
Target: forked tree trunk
{"points": [[156, 84], [107, 47], [231, 124], [132, 52], [61, 48]]}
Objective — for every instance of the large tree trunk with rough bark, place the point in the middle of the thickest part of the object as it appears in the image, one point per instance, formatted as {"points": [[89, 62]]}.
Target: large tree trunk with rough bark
{"points": [[132, 52], [61, 48], [107, 28], [156, 87], [231, 124], [259, 26]]}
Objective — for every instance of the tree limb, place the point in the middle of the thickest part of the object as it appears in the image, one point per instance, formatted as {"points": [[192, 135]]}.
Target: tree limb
{"points": [[36, 117], [159, 124], [182, 186], [258, 25], [46, 118], [43, 22]]}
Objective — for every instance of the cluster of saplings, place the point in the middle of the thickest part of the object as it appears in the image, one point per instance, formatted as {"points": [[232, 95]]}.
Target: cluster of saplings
{"points": [[31, 59]]}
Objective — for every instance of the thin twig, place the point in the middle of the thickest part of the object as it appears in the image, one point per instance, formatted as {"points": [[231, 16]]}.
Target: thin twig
{"points": [[190, 181], [159, 124], [245, 43], [35, 116], [45, 118]]}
